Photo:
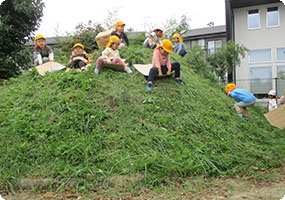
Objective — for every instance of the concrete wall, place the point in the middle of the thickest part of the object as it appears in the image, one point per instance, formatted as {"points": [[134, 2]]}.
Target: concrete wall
{"points": [[262, 38]]}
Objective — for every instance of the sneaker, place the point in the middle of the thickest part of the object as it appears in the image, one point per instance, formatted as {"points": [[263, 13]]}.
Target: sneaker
{"points": [[153, 46], [96, 71], [128, 70], [179, 81], [246, 118], [149, 86], [83, 70]]}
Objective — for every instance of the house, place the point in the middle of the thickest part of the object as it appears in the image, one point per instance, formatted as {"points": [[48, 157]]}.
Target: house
{"points": [[259, 25], [209, 38]]}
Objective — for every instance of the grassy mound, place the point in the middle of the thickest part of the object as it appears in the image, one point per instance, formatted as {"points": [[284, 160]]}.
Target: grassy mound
{"points": [[80, 126]]}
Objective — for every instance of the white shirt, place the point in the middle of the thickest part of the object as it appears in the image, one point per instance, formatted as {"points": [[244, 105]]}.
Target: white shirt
{"points": [[272, 104]]}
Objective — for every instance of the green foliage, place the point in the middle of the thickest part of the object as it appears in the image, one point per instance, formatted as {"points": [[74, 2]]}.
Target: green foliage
{"points": [[138, 40], [18, 19], [172, 26], [135, 54], [224, 59], [111, 18], [84, 128], [196, 58]]}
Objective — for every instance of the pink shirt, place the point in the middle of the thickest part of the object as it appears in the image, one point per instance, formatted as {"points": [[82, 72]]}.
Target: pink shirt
{"points": [[159, 60]]}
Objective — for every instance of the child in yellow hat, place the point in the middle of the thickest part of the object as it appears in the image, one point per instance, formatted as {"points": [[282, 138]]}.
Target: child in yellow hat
{"points": [[42, 52], [120, 33], [179, 46], [161, 64], [243, 99], [79, 59], [111, 55], [153, 39]]}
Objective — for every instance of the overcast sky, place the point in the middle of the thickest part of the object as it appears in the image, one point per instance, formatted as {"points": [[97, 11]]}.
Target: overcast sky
{"points": [[64, 15]]}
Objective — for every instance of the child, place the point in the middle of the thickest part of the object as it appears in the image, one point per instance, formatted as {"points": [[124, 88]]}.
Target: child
{"points": [[161, 64], [244, 99], [111, 55], [79, 58], [42, 52], [179, 46], [272, 104], [119, 32], [153, 39]]}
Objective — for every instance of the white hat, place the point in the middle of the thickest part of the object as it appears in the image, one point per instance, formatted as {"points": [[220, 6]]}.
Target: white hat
{"points": [[272, 92]]}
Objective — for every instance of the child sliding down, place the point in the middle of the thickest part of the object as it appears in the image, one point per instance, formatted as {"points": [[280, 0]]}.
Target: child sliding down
{"points": [[161, 64], [111, 55], [42, 53]]}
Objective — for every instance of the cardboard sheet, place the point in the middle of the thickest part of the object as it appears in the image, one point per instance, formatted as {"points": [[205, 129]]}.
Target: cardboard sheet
{"points": [[277, 117], [115, 67], [49, 67], [144, 69]]}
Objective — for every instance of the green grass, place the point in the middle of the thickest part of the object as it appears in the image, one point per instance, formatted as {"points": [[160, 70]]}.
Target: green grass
{"points": [[78, 126]]}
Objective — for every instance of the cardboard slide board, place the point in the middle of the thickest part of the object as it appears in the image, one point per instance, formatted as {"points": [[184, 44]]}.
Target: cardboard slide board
{"points": [[49, 67], [277, 117], [115, 67], [145, 68]]}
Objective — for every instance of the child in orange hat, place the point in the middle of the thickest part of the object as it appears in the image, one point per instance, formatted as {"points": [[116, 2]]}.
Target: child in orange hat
{"points": [[111, 55], [120, 33], [161, 64], [179, 46], [153, 39], [42, 52]]}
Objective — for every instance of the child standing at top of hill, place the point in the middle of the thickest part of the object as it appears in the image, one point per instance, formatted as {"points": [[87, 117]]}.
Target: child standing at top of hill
{"points": [[111, 55], [153, 39], [161, 64], [179, 46], [42, 52], [272, 104], [120, 33], [79, 58], [243, 98]]}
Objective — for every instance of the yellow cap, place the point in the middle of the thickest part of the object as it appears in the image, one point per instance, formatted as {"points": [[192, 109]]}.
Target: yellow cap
{"points": [[230, 87], [39, 37], [166, 45], [112, 39], [176, 35], [119, 23], [78, 45]]}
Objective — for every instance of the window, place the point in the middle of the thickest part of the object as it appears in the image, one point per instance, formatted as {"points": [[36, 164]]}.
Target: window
{"points": [[202, 43], [260, 56], [260, 80], [214, 45], [272, 17], [194, 43], [280, 54], [253, 19], [280, 81]]}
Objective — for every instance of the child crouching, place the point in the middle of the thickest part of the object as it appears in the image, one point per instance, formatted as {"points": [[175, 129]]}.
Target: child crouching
{"points": [[111, 55]]}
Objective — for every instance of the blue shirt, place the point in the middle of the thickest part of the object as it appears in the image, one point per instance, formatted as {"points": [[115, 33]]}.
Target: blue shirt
{"points": [[179, 47], [241, 95]]}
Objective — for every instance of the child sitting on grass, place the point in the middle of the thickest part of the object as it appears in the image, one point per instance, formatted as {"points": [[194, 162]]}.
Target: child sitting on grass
{"points": [[153, 38], [42, 53], [179, 46], [111, 55], [243, 99], [161, 64], [79, 58], [120, 33]]}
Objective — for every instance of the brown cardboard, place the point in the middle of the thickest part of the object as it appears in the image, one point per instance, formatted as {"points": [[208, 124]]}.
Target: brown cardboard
{"points": [[144, 69], [102, 38], [277, 117], [115, 67], [49, 67]]}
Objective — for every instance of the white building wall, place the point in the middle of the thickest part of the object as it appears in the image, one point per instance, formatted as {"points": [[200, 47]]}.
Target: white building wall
{"points": [[262, 38]]}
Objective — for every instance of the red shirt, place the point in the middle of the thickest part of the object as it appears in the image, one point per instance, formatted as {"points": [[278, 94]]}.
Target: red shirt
{"points": [[159, 60]]}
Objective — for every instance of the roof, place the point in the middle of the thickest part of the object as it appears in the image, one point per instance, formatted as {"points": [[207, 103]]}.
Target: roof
{"points": [[49, 41], [208, 31], [248, 3]]}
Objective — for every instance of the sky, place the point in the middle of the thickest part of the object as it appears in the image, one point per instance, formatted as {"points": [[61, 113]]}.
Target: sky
{"points": [[62, 16]]}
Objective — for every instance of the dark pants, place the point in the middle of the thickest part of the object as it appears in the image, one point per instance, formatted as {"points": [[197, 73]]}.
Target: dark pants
{"points": [[154, 71], [182, 53], [76, 64]]}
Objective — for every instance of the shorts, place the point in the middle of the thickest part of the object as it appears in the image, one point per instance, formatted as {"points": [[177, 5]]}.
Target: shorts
{"points": [[244, 105]]}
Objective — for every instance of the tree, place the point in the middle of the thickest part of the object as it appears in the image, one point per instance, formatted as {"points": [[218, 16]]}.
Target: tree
{"points": [[18, 19], [224, 59], [111, 18], [172, 26]]}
